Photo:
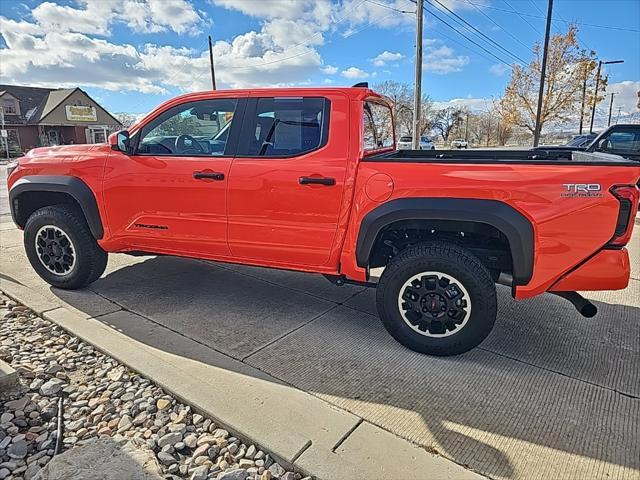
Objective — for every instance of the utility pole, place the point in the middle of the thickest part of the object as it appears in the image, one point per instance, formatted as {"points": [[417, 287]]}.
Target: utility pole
{"points": [[595, 96], [417, 96], [213, 73], [584, 94], [543, 72], [618, 116], [610, 108]]}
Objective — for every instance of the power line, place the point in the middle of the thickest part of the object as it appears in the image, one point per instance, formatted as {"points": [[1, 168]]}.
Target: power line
{"points": [[508, 52], [522, 17], [389, 7], [466, 37], [609, 27], [500, 26]]}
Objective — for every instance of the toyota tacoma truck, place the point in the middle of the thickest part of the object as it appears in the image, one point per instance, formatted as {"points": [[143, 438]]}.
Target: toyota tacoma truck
{"points": [[309, 179]]}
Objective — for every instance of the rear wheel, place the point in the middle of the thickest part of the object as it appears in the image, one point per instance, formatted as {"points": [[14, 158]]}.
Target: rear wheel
{"points": [[61, 248], [437, 298]]}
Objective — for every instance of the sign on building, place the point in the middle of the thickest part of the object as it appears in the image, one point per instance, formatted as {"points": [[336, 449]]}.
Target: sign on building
{"points": [[81, 113]]}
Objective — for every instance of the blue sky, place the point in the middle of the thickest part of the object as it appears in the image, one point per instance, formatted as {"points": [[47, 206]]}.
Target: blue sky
{"points": [[132, 54]]}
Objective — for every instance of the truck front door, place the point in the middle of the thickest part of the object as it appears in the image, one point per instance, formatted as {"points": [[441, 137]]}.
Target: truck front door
{"points": [[169, 196], [286, 183]]}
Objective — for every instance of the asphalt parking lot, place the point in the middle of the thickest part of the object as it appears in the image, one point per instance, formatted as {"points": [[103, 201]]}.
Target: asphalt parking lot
{"points": [[549, 395]]}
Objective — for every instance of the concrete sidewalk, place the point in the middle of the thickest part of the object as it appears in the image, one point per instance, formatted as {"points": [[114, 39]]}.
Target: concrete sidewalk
{"points": [[301, 430]]}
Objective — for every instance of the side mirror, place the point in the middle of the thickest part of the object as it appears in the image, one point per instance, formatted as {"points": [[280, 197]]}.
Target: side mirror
{"points": [[120, 141]]}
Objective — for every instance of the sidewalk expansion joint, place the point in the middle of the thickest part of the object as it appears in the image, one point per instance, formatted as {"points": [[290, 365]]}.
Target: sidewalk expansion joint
{"points": [[557, 372], [286, 334], [346, 435], [304, 448]]}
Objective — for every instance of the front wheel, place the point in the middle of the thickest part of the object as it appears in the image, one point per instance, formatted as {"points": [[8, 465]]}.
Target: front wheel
{"points": [[61, 248], [437, 298]]}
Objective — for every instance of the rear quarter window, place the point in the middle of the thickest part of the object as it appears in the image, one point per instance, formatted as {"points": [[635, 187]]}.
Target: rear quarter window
{"points": [[378, 126]]}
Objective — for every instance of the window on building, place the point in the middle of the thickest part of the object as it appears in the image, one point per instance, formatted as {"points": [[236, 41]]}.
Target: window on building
{"points": [[191, 129], [378, 126], [285, 127], [9, 106]]}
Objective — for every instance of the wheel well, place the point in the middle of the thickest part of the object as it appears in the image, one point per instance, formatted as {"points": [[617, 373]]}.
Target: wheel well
{"points": [[488, 243], [28, 202]]}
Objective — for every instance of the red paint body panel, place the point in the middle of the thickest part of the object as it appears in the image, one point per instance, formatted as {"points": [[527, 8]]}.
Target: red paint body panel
{"points": [[261, 215], [611, 268]]}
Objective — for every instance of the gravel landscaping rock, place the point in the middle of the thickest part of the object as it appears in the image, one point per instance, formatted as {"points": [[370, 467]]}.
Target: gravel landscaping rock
{"points": [[107, 408]]}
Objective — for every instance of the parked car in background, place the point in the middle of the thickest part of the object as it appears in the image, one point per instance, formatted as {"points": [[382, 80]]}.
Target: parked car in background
{"points": [[581, 140], [406, 143], [459, 143], [623, 140]]}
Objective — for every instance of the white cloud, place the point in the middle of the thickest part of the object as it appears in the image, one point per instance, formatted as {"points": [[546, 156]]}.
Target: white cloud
{"points": [[354, 72], [385, 57], [626, 96], [499, 69], [59, 48], [469, 103], [329, 70], [96, 16], [442, 59]]}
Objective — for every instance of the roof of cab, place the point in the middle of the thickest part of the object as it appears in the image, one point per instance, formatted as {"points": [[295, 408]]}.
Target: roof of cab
{"points": [[355, 93]]}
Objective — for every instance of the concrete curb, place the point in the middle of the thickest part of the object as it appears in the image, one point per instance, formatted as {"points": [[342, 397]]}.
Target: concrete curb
{"points": [[300, 430]]}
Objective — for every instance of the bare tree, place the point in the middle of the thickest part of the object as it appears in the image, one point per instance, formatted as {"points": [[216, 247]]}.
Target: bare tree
{"points": [[126, 119], [400, 95], [446, 120]]}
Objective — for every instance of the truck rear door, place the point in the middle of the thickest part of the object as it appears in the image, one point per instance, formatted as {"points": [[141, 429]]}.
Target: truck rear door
{"points": [[286, 183]]}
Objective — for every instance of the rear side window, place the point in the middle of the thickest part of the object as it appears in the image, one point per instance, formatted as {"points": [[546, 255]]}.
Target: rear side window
{"points": [[378, 126], [285, 127]]}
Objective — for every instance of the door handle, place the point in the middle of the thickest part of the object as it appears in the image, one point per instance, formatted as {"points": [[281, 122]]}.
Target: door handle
{"points": [[317, 181], [210, 175]]}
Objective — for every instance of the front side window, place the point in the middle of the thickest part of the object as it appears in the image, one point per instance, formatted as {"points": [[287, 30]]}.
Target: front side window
{"points": [[193, 129], [285, 127], [378, 126]]}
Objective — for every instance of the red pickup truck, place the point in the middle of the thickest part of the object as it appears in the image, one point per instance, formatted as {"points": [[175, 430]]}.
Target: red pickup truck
{"points": [[308, 179]]}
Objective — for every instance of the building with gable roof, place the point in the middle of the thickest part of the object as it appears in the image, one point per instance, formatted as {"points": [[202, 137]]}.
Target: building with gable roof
{"points": [[35, 117]]}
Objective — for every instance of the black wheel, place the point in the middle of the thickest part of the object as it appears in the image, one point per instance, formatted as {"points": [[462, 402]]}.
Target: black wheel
{"points": [[437, 298], [61, 248]]}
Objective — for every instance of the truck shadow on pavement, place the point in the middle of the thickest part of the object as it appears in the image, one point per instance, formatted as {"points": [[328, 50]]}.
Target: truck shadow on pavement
{"points": [[548, 394]]}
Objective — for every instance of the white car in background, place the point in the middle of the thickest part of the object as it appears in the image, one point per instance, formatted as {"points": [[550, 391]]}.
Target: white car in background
{"points": [[459, 143], [405, 143]]}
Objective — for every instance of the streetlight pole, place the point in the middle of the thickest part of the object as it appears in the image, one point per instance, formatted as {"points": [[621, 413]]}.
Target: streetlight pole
{"points": [[543, 72], [417, 96], [595, 96], [610, 108]]}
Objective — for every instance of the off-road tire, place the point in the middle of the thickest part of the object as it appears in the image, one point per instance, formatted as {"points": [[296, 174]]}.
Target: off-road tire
{"points": [[90, 260], [451, 260]]}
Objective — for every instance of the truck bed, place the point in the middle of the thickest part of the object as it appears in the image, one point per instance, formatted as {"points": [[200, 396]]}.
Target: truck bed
{"points": [[541, 157]]}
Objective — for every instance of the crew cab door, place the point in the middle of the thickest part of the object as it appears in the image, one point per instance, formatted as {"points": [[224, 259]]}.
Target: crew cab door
{"points": [[287, 180], [169, 195]]}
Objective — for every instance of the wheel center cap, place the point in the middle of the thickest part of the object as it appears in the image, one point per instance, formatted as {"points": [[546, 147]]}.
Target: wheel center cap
{"points": [[433, 303]]}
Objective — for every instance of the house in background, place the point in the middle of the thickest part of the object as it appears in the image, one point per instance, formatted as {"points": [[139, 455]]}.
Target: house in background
{"points": [[36, 117]]}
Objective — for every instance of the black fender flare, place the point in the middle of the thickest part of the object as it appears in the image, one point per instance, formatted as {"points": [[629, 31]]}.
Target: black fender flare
{"points": [[513, 224], [72, 186]]}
